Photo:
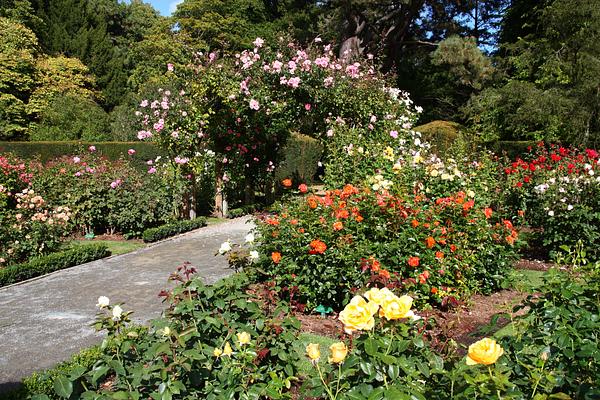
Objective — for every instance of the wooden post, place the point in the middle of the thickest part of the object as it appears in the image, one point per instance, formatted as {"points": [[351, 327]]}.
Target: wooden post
{"points": [[218, 210]]}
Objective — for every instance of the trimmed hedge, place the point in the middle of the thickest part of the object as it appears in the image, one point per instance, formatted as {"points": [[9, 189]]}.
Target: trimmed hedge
{"points": [[241, 211], [46, 151], [164, 231], [440, 134], [52, 262]]}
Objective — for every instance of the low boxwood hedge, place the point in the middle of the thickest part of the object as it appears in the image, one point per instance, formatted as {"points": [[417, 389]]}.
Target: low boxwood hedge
{"points": [[52, 262], [171, 229]]}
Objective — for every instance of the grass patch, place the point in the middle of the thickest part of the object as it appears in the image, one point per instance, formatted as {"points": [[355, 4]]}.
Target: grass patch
{"points": [[527, 280], [116, 247], [324, 342]]}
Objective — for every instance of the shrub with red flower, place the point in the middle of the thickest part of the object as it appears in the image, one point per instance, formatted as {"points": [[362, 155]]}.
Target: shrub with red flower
{"points": [[557, 190]]}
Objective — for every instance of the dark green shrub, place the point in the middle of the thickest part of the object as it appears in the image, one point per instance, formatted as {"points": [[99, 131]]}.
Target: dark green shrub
{"points": [[71, 118], [301, 155], [512, 149], [556, 345], [52, 262], [172, 229]]}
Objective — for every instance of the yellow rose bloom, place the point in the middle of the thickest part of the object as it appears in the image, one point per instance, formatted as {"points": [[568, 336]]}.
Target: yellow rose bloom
{"points": [[243, 338], [358, 315], [217, 352], [227, 350], [395, 307], [485, 352], [417, 159], [339, 351], [313, 352], [434, 172], [375, 295]]}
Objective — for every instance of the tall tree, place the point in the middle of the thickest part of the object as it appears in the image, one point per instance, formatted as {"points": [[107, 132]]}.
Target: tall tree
{"points": [[551, 58]]}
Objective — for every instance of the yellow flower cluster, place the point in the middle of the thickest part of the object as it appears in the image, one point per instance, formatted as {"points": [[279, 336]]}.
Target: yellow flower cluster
{"points": [[243, 339], [359, 314], [338, 352]]}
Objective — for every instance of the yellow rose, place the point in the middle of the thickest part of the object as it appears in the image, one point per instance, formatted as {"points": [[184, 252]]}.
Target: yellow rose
{"points": [[358, 315], [377, 296], [485, 352], [313, 352], [227, 350], [243, 338], [434, 172], [339, 351], [217, 353], [395, 307]]}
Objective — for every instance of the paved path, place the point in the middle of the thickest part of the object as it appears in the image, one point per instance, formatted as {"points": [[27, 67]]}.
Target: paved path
{"points": [[45, 320]]}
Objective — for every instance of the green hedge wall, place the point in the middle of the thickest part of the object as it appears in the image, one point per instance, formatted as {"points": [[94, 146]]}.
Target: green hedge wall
{"points": [[46, 151], [301, 153], [52, 262]]}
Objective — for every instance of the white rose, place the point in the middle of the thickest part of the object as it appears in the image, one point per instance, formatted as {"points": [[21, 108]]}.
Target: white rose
{"points": [[551, 213], [254, 255], [117, 312], [103, 301], [250, 238], [225, 247], [570, 207]]}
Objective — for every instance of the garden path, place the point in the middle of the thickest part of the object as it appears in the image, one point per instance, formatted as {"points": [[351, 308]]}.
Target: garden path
{"points": [[46, 320]]}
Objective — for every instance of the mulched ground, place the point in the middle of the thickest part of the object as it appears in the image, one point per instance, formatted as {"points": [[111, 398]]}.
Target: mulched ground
{"points": [[462, 325]]}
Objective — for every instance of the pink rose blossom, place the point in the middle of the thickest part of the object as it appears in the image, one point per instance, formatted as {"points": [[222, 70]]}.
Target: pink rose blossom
{"points": [[258, 42], [294, 82], [76, 159], [92, 149], [131, 152], [170, 67], [254, 105], [152, 170], [307, 106], [394, 134]]}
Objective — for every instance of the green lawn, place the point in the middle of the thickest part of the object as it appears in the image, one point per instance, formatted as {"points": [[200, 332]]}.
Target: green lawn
{"points": [[527, 280], [115, 246]]}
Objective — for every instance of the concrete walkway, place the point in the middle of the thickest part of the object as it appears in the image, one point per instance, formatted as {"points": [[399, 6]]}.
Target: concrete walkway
{"points": [[45, 320]]}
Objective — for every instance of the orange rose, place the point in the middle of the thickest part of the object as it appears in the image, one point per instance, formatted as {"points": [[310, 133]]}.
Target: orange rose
{"points": [[413, 261], [414, 223], [276, 257], [430, 242], [287, 183], [303, 188], [488, 212], [338, 226], [317, 247], [439, 255], [312, 202]]}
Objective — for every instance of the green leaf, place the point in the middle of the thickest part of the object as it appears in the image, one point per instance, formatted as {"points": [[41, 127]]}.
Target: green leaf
{"points": [[371, 346], [63, 387], [40, 397]]}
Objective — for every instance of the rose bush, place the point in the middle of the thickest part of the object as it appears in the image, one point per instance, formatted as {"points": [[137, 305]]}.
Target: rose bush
{"points": [[106, 196], [326, 247], [556, 189]]}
